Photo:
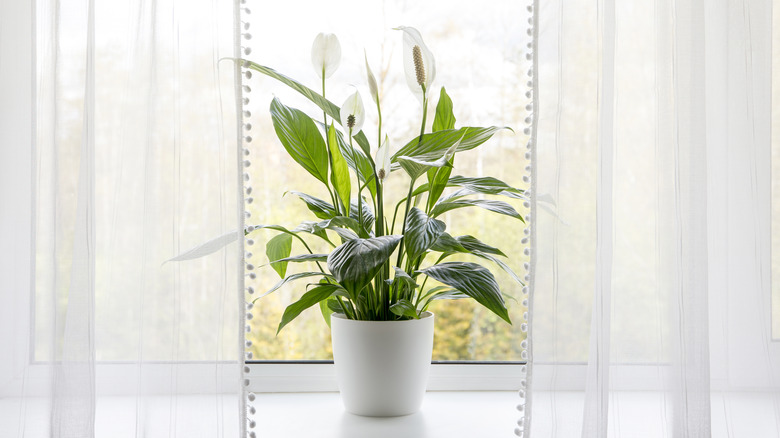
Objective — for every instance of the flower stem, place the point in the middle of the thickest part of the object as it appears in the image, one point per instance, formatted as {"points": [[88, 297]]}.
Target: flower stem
{"points": [[411, 184], [327, 148], [403, 227], [424, 116], [360, 190]]}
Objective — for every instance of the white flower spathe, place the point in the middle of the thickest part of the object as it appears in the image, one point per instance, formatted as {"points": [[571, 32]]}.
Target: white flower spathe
{"points": [[372, 86], [353, 106], [420, 67], [325, 54], [383, 160]]}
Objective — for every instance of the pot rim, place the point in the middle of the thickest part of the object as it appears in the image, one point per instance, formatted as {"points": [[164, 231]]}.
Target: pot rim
{"points": [[425, 315]]}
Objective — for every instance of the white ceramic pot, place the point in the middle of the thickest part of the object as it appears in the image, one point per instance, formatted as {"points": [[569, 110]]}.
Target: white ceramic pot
{"points": [[382, 366]]}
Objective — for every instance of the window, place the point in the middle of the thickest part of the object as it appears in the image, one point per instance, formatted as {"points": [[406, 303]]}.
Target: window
{"points": [[481, 59]]}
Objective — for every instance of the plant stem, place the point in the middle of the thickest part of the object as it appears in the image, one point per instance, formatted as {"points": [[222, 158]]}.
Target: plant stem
{"points": [[344, 308], [411, 184], [424, 116], [324, 114], [360, 190], [403, 227], [420, 294], [379, 230], [333, 198], [395, 213]]}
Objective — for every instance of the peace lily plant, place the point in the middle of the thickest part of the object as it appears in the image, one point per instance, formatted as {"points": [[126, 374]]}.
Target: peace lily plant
{"points": [[380, 266]]}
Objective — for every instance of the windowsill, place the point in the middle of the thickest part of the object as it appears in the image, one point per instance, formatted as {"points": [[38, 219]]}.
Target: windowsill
{"points": [[443, 414]]}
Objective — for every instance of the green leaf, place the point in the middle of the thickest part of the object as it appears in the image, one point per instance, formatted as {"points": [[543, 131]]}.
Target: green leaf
{"points": [[302, 258], [301, 138], [279, 248], [358, 162], [289, 278], [402, 278], [404, 307], [345, 233], [499, 207], [310, 298], [312, 227], [368, 218], [486, 185], [334, 306], [416, 167], [448, 294], [501, 265], [340, 174], [320, 208], [434, 145], [473, 280], [457, 194], [421, 232], [471, 243], [355, 263], [341, 225], [447, 244], [326, 105], [444, 118], [291, 233], [437, 181], [326, 310], [482, 185], [339, 221]]}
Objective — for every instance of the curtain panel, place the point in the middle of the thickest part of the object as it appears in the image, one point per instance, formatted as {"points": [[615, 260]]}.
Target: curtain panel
{"points": [[136, 160], [651, 309]]}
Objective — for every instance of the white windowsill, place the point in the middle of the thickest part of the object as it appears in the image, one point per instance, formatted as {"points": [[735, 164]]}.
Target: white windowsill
{"points": [[443, 414]]}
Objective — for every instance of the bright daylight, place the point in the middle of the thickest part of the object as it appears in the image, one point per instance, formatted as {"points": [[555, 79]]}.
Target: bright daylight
{"points": [[390, 218]]}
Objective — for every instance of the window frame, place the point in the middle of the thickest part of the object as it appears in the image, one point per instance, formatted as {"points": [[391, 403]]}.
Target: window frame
{"points": [[320, 376]]}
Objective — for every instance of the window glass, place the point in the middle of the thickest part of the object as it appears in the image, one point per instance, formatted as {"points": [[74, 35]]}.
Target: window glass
{"points": [[481, 58]]}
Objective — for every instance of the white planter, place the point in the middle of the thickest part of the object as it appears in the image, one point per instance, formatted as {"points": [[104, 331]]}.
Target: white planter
{"points": [[382, 366]]}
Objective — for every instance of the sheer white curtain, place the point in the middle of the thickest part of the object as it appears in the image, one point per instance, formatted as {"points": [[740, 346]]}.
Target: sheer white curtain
{"points": [[135, 160], [651, 307]]}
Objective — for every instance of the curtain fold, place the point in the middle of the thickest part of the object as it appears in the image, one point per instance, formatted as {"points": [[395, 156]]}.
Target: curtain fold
{"points": [[136, 160], [652, 283]]}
